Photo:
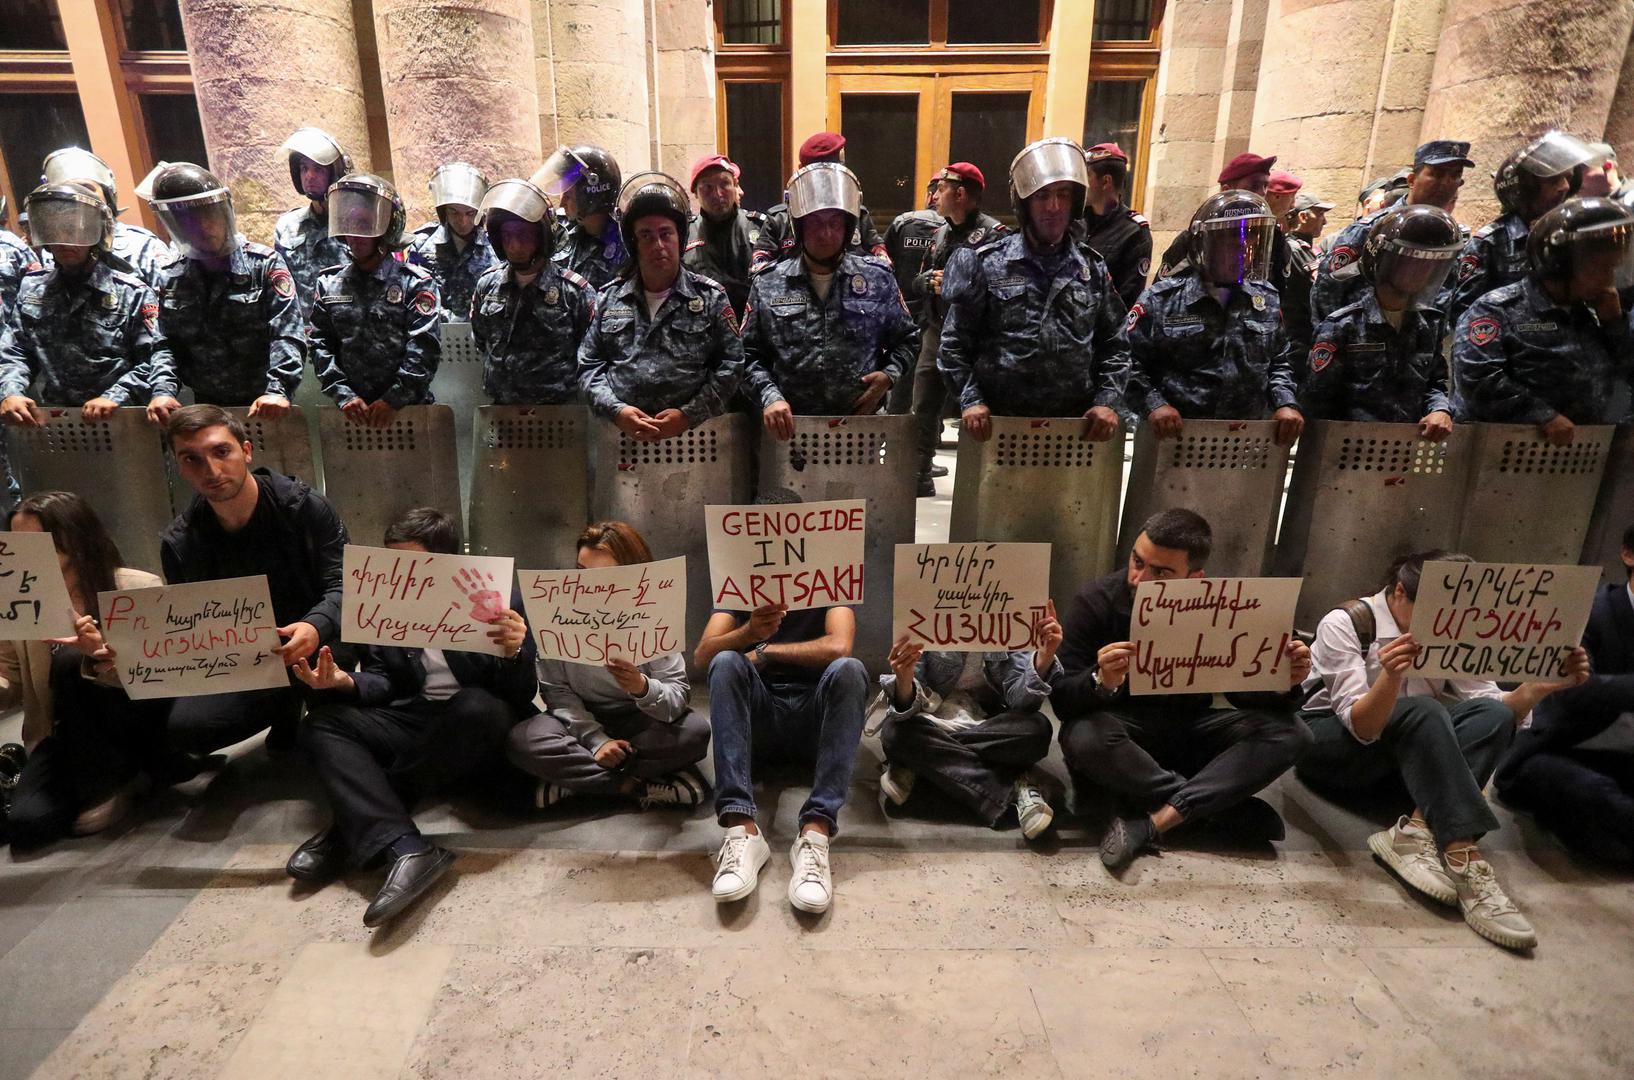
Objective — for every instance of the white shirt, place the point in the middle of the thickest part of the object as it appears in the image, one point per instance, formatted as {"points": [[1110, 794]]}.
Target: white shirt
{"points": [[440, 684], [1342, 675], [820, 283], [655, 300]]}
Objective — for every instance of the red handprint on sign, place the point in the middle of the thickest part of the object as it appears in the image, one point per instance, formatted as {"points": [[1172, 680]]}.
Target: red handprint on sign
{"points": [[477, 586]]}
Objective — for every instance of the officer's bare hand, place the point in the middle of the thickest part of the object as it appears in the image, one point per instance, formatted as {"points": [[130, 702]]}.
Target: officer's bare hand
{"points": [[1559, 430], [765, 621], [1164, 421], [356, 410], [1608, 305], [1112, 663], [21, 410], [636, 424], [270, 406], [1436, 426], [936, 282], [780, 420], [326, 676], [1299, 662], [876, 385], [1290, 422], [1102, 422], [670, 423], [380, 414], [97, 409], [160, 408], [978, 420]]}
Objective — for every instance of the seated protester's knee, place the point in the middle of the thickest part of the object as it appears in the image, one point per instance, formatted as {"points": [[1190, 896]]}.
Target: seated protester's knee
{"points": [[1419, 710], [1037, 733], [693, 735], [848, 672], [1490, 717], [729, 663]]}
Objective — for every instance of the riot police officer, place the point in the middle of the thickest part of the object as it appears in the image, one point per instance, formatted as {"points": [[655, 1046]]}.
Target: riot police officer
{"points": [[1210, 345], [375, 320], [529, 313], [16, 259], [907, 245], [723, 234], [1121, 237], [1554, 348], [1380, 358], [1035, 325], [302, 235], [777, 237], [1245, 172], [85, 325], [826, 332], [663, 352], [141, 250], [455, 250], [1532, 181], [587, 181], [227, 307]]}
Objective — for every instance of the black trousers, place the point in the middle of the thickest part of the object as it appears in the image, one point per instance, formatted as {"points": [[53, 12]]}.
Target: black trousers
{"points": [[100, 739], [1198, 763], [1585, 797], [205, 724], [376, 762], [976, 766]]}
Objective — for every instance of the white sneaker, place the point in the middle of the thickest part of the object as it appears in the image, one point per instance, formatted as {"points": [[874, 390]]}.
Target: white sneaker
{"points": [[683, 790], [737, 867], [1410, 851], [1488, 911], [811, 887], [896, 784], [1032, 812], [548, 794]]}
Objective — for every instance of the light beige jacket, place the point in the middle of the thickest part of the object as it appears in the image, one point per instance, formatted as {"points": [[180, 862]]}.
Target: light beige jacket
{"points": [[25, 668]]}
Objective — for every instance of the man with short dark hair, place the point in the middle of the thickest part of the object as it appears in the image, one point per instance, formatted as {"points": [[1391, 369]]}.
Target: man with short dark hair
{"points": [[1121, 237], [1178, 757]]}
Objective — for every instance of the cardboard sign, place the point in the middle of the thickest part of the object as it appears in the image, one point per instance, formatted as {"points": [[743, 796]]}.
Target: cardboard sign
{"points": [[207, 637], [636, 613], [1212, 635], [976, 597], [422, 600], [1510, 622], [805, 555], [34, 603]]}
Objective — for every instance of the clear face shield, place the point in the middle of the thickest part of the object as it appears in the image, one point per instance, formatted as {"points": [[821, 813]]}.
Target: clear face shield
{"points": [[517, 197], [67, 222], [358, 212], [1236, 249], [1413, 273], [1555, 153], [458, 185], [1602, 256]]}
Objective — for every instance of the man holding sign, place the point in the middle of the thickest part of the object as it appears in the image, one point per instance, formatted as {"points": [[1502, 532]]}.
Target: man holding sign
{"points": [[1173, 758]]}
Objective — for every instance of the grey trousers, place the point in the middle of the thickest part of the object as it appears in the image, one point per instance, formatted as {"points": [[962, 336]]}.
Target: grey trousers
{"points": [[543, 746]]}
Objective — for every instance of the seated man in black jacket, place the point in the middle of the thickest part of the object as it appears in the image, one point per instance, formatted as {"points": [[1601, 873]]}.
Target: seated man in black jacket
{"points": [[1585, 796], [408, 722], [1173, 758], [244, 522]]}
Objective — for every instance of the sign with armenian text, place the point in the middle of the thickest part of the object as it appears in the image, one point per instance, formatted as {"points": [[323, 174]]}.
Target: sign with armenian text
{"points": [[636, 613], [975, 597], [206, 637], [1509, 622], [1212, 635], [423, 599]]}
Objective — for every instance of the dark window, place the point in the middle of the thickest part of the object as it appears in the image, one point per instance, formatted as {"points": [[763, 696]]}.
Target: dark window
{"points": [[753, 22], [31, 126], [1123, 20], [152, 25], [980, 22], [31, 24], [173, 128], [881, 151], [754, 140], [1113, 115], [988, 129], [884, 22]]}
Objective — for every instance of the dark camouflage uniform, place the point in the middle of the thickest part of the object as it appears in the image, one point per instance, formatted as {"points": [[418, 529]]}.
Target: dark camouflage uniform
{"points": [[597, 261], [778, 238], [16, 259], [303, 239], [234, 334], [1362, 368], [689, 358], [1033, 335], [1493, 257], [813, 353], [376, 336], [87, 336], [529, 335], [455, 271]]}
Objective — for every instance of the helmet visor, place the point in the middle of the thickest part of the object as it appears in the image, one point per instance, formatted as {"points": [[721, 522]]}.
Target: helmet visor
{"points": [[68, 222], [1046, 162], [653, 187], [518, 197], [1555, 153], [358, 212], [1414, 272], [1605, 253], [561, 171], [824, 186], [314, 144], [200, 225], [74, 164], [1236, 249], [458, 185]]}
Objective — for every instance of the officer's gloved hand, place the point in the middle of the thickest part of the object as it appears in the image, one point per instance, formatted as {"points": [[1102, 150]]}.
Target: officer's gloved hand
{"points": [[1436, 426], [270, 406], [978, 420], [1559, 430], [1290, 422], [160, 408], [779, 420], [97, 409], [21, 410]]}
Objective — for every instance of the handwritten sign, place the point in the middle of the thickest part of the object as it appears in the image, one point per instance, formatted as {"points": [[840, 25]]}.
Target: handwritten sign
{"points": [[34, 602], [975, 597], [207, 637], [1212, 635], [805, 555], [637, 613], [1510, 622], [422, 600]]}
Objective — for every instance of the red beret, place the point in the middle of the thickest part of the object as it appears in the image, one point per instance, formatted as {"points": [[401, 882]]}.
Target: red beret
{"points": [[821, 146], [1105, 151], [707, 162], [1285, 183], [963, 172], [1245, 164]]}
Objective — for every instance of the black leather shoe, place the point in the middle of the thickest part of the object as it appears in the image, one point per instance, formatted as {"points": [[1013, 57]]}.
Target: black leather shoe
{"points": [[938, 471], [927, 488], [406, 880], [321, 859]]}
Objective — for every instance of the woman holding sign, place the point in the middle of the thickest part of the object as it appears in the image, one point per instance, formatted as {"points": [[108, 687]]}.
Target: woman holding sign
{"points": [[86, 740], [1372, 720], [619, 728]]}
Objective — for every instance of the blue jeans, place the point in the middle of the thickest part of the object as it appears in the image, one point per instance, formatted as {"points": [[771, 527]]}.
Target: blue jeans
{"points": [[753, 720]]}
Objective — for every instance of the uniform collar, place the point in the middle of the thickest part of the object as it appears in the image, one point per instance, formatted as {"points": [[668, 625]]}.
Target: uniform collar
{"points": [[1538, 299], [797, 266], [631, 286]]}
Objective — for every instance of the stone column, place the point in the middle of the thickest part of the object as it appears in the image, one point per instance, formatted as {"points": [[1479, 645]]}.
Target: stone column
{"points": [[260, 71], [591, 59], [1620, 124], [1190, 80], [1409, 58], [452, 91], [683, 94], [1507, 70], [1245, 49]]}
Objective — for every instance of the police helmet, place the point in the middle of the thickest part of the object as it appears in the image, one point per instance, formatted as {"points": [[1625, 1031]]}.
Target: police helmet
{"points": [[650, 193], [590, 172], [825, 185], [195, 206], [457, 184], [1410, 250], [519, 200], [1046, 162], [363, 204], [68, 215], [72, 165], [1552, 154], [1230, 236], [1595, 227], [320, 148]]}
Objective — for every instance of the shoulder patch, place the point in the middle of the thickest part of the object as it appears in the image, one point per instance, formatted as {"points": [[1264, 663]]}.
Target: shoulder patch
{"points": [[1468, 265], [1341, 257], [1483, 331], [1139, 219], [1136, 312], [1322, 354], [150, 317], [424, 302], [282, 283]]}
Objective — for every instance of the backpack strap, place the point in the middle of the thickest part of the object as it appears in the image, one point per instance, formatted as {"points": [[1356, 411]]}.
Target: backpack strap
{"points": [[1361, 618]]}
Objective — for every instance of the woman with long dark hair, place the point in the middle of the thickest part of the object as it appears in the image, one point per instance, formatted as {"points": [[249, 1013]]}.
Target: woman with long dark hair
{"points": [[85, 737]]}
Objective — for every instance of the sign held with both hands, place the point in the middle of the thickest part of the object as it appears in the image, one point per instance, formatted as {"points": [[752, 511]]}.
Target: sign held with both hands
{"points": [[1212, 635], [424, 600], [801, 555], [974, 597], [635, 613], [1509, 622], [207, 637]]}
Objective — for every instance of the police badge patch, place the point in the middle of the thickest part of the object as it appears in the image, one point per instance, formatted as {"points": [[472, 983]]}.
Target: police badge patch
{"points": [[552, 295], [394, 295], [1468, 265], [976, 235], [1259, 303], [1144, 268], [1135, 314], [1483, 331], [425, 303], [695, 305], [1341, 257], [282, 283], [859, 284], [1322, 355]]}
